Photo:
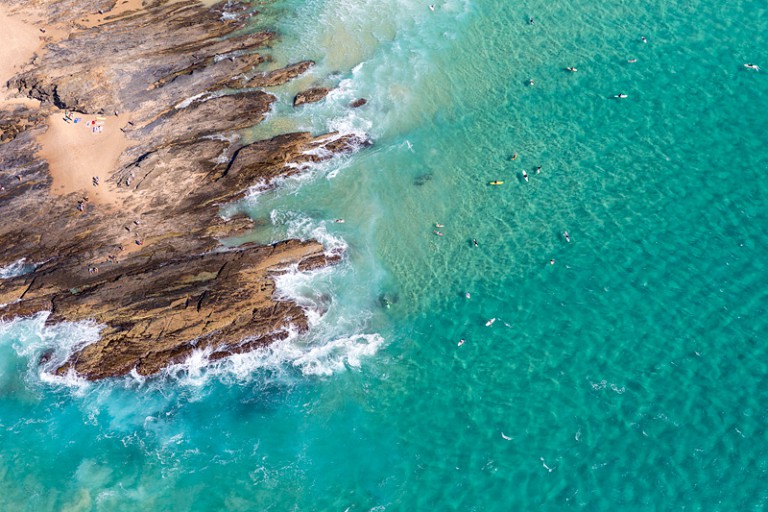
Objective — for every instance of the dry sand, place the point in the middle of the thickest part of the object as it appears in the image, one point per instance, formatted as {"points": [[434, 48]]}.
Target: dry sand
{"points": [[75, 155], [20, 42]]}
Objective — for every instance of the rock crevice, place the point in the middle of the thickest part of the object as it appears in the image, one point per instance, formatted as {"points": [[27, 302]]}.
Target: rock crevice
{"points": [[151, 269]]}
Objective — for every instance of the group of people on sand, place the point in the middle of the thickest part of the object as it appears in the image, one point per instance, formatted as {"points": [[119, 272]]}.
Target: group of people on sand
{"points": [[96, 125]]}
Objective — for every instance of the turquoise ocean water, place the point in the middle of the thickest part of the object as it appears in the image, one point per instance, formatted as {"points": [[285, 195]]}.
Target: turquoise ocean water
{"points": [[630, 375]]}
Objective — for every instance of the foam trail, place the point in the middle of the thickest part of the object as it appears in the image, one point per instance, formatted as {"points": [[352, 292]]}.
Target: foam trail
{"points": [[32, 338], [276, 361], [17, 268], [301, 226]]}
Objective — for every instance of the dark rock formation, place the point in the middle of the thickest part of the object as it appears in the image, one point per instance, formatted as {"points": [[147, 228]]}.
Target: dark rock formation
{"points": [[278, 76], [144, 60], [310, 95], [358, 103], [269, 159], [175, 289]]}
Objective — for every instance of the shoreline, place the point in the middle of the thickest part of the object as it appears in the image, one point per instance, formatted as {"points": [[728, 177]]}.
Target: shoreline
{"points": [[136, 249]]}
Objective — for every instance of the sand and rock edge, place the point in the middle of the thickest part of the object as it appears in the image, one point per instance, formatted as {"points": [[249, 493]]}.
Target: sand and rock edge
{"points": [[139, 252]]}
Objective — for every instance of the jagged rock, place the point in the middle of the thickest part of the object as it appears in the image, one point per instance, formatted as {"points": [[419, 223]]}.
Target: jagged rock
{"points": [[358, 103], [310, 96], [13, 124], [284, 155], [177, 290], [158, 313], [278, 76], [159, 56], [206, 116]]}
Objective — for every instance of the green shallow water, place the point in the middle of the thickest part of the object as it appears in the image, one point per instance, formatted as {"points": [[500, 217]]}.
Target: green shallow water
{"points": [[629, 375]]}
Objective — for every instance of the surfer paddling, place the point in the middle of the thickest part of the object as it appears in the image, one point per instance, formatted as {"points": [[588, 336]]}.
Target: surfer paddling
{"points": [[754, 67], [525, 176], [567, 236]]}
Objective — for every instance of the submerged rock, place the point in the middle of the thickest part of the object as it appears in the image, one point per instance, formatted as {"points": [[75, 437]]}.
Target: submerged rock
{"points": [[422, 179], [310, 96]]}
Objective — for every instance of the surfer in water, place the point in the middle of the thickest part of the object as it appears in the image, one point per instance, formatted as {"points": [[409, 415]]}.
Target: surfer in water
{"points": [[752, 66], [538, 170], [632, 61], [474, 241], [643, 39], [530, 82], [438, 225], [621, 96], [339, 221], [530, 20], [461, 341], [572, 69], [467, 295], [438, 233], [567, 236], [525, 176], [432, 7]]}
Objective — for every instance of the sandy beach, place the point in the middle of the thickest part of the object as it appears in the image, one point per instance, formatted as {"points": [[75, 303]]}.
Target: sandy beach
{"points": [[78, 152], [20, 42], [75, 152], [144, 260]]}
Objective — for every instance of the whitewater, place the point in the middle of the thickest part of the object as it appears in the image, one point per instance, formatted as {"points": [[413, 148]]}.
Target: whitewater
{"points": [[626, 367]]}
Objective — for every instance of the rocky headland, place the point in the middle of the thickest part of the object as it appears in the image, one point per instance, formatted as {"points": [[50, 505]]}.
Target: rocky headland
{"points": [[128, 234]]}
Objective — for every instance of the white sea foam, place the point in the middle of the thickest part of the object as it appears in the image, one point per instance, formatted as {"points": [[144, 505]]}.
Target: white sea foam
{"points": [[352, 123], [312, 354], [335, 355], [193, 370], [192, 99], [303, 227], [337, 340], [31, 338], [17, 268], [230, 138], [310, 290], [278, 361]]}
